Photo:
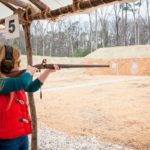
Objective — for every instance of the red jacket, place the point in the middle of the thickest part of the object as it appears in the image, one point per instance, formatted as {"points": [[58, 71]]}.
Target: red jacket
{"points": [[15, 121]]}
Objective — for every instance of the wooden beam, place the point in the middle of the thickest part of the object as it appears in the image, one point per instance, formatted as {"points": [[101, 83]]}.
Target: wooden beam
{"points": [[18, 3], [67, 10], [8, 5], [76, 1], [70, 9], [39, 4], [2, 21]]}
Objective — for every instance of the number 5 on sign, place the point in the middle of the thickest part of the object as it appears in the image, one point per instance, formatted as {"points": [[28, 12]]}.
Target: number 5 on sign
{"points": [[12, 26]]}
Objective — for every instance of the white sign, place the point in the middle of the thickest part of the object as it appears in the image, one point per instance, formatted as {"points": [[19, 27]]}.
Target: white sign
{"points": [[134, 68], [12, 27], [114, 66]]}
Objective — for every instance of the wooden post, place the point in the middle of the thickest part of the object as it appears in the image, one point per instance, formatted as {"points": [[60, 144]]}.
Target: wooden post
{"points": [[30, 95]]}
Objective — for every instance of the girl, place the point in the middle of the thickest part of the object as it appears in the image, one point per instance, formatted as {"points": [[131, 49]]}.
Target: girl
{"points": [[15, 123]]}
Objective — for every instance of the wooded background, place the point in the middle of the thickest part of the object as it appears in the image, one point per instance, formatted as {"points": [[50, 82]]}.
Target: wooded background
{"points": [[76, 36]]}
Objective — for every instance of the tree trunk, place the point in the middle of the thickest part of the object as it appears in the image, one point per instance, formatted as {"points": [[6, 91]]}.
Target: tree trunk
{"points": [[116, 25], [30, 95], [134, 28], [43, 47], [90, 36], [36, 40], [138, 24], [123, 35], [96, 30], [71, 44], [125, 28], [78, 33], [148, 17]]}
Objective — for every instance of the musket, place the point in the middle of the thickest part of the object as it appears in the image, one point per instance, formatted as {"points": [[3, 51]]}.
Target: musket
{"points": [[44, 65]]}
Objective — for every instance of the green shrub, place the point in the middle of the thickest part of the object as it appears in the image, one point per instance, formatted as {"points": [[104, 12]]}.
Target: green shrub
{"points": [[81, 52]]}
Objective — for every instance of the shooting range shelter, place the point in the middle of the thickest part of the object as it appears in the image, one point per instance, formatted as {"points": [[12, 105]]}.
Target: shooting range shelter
{"points": [[30, 10]]}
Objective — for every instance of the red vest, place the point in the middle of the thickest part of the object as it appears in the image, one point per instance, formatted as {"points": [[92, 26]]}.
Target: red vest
{"points": [[15, 121]]}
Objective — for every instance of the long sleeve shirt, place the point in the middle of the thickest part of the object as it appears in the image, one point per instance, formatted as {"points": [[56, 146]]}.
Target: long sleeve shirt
{"points": [[22, 82]]}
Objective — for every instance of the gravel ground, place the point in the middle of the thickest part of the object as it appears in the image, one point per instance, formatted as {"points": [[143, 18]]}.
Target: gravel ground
{"points": [[49, 139]]}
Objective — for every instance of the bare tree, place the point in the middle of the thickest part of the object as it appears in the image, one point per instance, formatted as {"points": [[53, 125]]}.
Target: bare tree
{"points": [[138, 22], [117, 20], [90, 31], [34, 37], [135, 9], [41, 30], [122, 25], [104, 23], [96, 28], [70, 32], [148, 16]]}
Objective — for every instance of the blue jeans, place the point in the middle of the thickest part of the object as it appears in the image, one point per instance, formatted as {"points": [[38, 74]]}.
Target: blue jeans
{"points": [[20, 143]]}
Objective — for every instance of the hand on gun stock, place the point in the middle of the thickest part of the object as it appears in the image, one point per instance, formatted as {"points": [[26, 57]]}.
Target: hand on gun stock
{"points": [[32, 70]]}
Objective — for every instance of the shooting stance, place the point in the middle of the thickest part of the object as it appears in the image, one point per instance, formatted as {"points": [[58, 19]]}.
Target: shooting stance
{"points": [[15, 122]]}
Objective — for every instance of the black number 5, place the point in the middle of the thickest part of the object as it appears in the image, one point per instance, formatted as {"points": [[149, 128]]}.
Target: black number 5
{"points": [[11, 26]]}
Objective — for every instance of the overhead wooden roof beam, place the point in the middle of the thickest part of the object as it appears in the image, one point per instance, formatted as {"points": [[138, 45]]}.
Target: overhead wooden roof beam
{"points": [[40, 5], [75, 7], [18, 3], [75, 1], [79, 6], [2, 21], [8, 5]]}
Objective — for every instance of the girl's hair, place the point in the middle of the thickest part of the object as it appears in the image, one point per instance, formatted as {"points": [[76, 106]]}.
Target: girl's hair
{"points": [[16, 56]]}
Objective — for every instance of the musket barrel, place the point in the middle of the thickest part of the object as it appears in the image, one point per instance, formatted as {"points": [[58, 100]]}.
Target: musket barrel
{"points": [[70, 66], [80, 66]]}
